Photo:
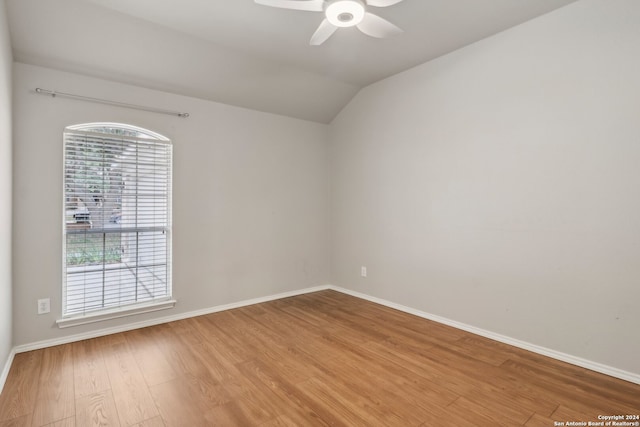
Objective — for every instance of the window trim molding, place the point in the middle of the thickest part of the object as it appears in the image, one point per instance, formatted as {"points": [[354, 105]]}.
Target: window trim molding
{"points": [[129, 310]]}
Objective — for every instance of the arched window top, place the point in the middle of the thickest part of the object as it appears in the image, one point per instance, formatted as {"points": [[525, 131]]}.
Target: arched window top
{"points": [[119, 129]]}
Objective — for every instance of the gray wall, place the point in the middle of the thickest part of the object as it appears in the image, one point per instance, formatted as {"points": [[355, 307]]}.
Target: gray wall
{"points": [[498, 186], [6, 62], [249, 197]]}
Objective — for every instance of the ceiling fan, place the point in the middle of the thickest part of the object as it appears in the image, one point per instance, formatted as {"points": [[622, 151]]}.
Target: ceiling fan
{"points": [[340, 14]]}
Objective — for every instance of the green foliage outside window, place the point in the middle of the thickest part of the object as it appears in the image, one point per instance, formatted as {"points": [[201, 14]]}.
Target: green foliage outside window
{"points": [[93, 249]]}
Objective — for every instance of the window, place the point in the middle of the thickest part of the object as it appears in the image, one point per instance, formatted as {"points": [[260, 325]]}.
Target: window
{"points": [[117, 219]]}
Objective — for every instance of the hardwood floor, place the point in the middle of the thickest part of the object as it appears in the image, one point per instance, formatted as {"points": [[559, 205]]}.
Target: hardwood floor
{"points": [[318, 359]]}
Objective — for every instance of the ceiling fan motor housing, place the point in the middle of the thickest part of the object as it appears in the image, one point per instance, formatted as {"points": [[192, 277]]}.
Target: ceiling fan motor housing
{"points": [[344, 13]]}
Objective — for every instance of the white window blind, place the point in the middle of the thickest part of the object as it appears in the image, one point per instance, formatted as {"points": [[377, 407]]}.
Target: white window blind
{"points": [[117, 218]]}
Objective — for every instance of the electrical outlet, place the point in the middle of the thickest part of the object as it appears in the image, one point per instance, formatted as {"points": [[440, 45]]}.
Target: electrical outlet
{"points": [[363, 271], [44, 306]]}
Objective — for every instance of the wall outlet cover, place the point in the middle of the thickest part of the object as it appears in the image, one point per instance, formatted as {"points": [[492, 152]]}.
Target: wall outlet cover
{"points": [[44, 306]]}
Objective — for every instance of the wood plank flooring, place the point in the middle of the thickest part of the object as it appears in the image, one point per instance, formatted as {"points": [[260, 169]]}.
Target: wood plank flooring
{"points": [[322, 359]]}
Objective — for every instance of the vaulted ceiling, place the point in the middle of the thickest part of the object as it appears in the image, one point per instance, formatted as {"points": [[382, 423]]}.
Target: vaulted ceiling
{"points": [[244, 54]]}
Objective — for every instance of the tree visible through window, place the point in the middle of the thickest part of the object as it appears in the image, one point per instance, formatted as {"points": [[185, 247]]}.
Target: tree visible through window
{"points": [[117, 218]]}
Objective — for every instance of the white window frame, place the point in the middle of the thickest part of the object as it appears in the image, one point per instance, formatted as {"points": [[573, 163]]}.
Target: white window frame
{"points": [[115, 310]]}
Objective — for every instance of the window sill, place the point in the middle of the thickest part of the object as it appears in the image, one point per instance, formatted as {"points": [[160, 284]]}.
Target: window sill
{"points": [[115, 313]]}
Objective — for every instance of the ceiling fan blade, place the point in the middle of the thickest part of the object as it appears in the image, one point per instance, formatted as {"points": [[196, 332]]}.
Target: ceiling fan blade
{"points": [[324, 31], [374, 26], [308, 5], [382, 3]]}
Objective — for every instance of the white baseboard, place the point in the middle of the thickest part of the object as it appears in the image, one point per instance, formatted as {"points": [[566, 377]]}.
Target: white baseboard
{"points": [[594, 366], [7, 367], [578, 361]]}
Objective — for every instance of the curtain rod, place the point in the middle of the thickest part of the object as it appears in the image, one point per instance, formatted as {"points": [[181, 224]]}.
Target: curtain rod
{"points": [[53, 94]]}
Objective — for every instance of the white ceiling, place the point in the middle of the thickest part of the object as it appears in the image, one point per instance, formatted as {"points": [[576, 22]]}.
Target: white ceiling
{"points": [[241, 53]]}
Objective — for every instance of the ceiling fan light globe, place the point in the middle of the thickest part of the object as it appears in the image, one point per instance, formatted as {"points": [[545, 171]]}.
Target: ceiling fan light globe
{"points": [[345, 13]]}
